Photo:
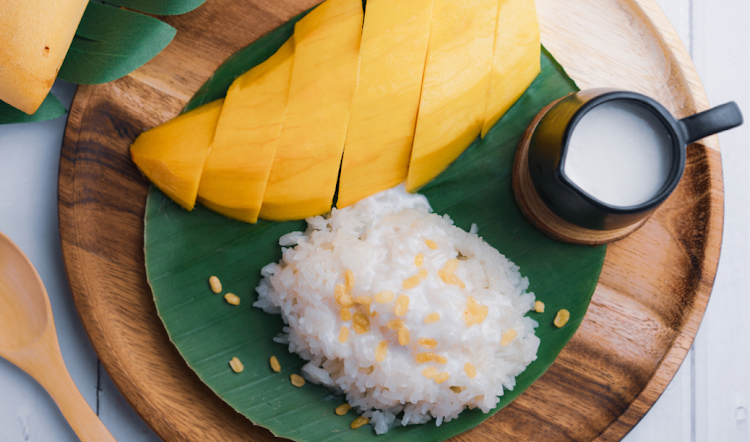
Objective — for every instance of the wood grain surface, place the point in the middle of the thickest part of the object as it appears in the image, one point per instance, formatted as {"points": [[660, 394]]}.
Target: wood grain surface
{"points": [[643, 317]]}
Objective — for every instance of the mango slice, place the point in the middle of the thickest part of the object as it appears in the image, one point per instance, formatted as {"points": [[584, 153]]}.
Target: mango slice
{"points": [[455, 86], [35, 35], [384, 110], [172, 155], [516, 57], [247, 134], [324, 77]]}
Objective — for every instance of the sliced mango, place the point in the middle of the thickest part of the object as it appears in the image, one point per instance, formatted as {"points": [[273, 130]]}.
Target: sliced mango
{"points": [[455, 86], [324, 77], [36, 36], [244, 146], [173, 154], [516, 57], [384, 110]]}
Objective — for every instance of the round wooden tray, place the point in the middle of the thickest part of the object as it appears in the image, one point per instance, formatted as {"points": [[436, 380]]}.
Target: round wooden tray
{"points": [[646, 310]]}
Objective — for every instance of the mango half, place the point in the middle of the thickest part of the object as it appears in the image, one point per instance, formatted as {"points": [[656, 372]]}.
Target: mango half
{"points": [[36, 36], [172, 155], [434, 75]]}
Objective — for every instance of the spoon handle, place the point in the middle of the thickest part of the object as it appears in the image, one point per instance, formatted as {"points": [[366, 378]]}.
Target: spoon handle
{"points": [[49, 369], [76, 410]]}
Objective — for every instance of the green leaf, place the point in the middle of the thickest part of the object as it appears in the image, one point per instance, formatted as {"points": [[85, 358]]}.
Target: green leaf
{"points": [[111, 42], [184, 248], [159, 7], [50, 109]]}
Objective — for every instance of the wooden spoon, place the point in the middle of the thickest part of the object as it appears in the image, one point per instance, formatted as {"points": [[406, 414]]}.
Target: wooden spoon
{"points": [[28, 339]]}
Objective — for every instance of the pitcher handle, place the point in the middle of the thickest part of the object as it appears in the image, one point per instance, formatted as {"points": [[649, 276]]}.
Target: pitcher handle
{"points": [[712, 121]]}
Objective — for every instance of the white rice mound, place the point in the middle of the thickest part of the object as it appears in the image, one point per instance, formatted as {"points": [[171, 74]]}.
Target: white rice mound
{"points": [[377, 239]]}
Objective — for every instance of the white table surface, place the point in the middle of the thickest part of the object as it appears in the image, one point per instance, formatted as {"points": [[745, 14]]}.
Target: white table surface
{"points": [[708, 400]]}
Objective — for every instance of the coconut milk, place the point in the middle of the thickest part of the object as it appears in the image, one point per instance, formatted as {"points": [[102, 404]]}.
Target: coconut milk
{"points": [[619, 153]]}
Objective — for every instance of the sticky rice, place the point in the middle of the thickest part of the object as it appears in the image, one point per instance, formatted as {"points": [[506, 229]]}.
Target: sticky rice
{"points": [[408, 315]]}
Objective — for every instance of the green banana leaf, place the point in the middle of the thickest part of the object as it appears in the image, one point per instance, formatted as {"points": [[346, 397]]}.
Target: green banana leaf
{"points": [[159, 7], [183, 249], [112, 42], [50, 109]]}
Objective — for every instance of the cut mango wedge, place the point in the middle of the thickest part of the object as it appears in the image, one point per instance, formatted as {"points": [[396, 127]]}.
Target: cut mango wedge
{"points": [[384, 111], [324, 77], [173, 154], [247, 134], [455, 86], [516, 57]]}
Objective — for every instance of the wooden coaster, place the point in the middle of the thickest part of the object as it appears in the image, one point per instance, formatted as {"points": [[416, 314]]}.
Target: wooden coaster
{"points": [[537, 212]]}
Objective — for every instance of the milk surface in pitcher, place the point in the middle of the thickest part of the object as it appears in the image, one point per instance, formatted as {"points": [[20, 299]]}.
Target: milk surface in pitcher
{"points": [[620, 153]]}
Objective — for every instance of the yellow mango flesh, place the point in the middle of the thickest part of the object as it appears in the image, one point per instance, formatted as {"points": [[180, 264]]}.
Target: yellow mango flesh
{"points": [[35, 35], [324, 77], [384, 110], [247, 134], [515, 62], [173, 154], [455, 86]]}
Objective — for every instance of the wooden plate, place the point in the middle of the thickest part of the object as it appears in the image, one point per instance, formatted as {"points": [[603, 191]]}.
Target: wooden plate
{"points": [[646, 310]]}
